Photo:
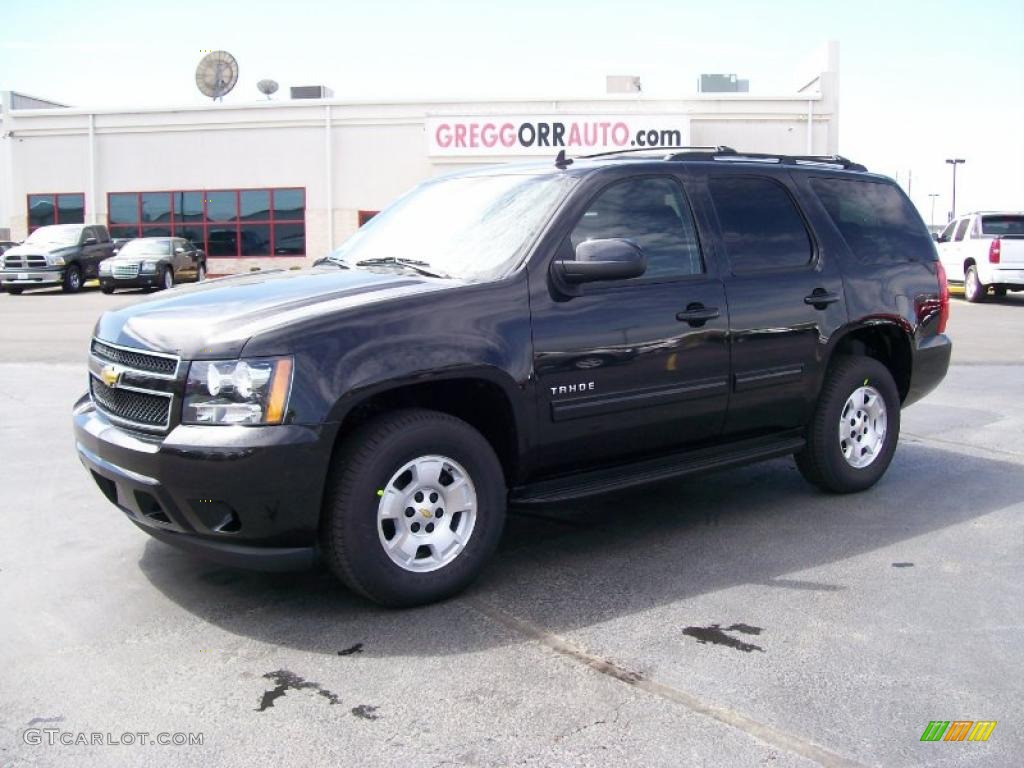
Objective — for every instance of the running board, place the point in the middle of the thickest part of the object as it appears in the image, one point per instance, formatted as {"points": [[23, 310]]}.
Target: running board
{"points": [[593, 482]]}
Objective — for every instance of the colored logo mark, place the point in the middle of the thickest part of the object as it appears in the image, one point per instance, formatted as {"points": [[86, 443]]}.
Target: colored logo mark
{"points": [[958, 730]]}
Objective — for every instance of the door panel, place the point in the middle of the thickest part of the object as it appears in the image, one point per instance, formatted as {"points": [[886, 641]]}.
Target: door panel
{"points": [[632, 367], [785, 297]]}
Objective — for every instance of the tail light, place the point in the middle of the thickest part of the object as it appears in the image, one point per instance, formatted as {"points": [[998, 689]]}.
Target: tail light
{"points": [[995, 251], [943, 297]]}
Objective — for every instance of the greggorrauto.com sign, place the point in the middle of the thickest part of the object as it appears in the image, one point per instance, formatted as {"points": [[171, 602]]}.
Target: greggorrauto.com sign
{"points": [[454, 136]]}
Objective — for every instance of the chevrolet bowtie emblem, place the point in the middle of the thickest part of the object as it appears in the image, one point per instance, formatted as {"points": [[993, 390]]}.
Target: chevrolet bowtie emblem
{"points": [[110, 374], [425, 512]]}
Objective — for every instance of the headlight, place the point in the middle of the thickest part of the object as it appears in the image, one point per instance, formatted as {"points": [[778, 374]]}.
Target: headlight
{"points": [[238, 391], [56, 261], [104, 267], [148, 266]]}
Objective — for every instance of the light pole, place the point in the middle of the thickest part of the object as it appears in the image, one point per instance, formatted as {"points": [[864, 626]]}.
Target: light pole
{"points": [[933, 195], [954, 161]]}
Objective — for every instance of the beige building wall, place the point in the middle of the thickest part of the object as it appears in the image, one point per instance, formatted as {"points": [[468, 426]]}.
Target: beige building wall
{"points": [[348, 156]]}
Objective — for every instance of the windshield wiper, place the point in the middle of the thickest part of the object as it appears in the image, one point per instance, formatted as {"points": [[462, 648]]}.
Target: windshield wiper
{"points": [[420, 267], [338, 262]]}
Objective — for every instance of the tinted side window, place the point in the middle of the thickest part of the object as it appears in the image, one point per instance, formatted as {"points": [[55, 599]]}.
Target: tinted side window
{"points": [[961, 229], [760, 224], [947, 233], [875, 219], [654, 214]]}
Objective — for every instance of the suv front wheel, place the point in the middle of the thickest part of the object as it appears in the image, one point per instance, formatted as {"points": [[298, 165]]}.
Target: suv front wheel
{"points": [[415, 506], [855, 427]]}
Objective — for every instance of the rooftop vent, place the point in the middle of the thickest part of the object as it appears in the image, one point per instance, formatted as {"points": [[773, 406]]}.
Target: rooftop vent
{"points": [[311, 92], [622, 84], [722, 84]]}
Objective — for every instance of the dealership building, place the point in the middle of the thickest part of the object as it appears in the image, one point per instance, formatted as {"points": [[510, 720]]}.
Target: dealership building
{"points": [[279, 183]]}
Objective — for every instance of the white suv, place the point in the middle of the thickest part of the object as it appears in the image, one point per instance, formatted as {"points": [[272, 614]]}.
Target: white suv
{"points": [[984, 250]]}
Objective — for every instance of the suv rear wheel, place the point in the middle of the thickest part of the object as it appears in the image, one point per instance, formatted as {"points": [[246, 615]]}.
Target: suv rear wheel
{"points": [[415, 506], [856, 424], [974, 289]]}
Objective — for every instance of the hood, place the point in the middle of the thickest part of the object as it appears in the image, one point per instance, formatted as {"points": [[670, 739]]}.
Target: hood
{"points": [[216, 318], [129, 259], [37, 249]]}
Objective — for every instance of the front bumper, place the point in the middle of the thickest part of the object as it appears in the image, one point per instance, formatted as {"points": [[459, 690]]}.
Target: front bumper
{"points": [[243, 496], [142, 281], [28, 278]]}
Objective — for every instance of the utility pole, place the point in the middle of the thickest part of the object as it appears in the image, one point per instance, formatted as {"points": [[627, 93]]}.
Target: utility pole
{"points": [[954, 161], [933, 195]]}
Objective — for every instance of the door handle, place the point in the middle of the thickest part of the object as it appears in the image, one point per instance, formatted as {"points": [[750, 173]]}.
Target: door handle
{"points": [[820, 298], [697, 314]]}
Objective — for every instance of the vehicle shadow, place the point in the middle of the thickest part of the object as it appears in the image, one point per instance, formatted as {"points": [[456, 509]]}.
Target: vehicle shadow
{"points": [[570, 566]]}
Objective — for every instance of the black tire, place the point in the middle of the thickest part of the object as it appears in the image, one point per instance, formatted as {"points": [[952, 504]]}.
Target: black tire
{"points": [[201, 273], [107, 289], [14, 290], [999, 291], [974, 289], [72, 282], [821, 462], [365, 462], [166, 279]]}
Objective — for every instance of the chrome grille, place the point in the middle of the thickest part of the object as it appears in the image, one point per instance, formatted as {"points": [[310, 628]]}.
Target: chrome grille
{"points": [[140, 361], [20, 262], [140, 408], [125, 271]]}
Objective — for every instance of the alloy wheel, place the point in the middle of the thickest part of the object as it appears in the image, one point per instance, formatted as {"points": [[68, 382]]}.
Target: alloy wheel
{"points": [[426, 513], [863, 424]]}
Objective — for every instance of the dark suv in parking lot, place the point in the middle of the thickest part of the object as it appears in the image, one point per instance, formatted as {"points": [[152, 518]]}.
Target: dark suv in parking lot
{"points": [[520, 334]]}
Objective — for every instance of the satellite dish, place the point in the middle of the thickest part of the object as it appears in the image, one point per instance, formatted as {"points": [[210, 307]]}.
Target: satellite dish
{"points": [[217, 74], [267, 87]]}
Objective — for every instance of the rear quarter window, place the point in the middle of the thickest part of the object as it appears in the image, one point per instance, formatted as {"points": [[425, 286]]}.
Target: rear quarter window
{"points": [[877, 221]]}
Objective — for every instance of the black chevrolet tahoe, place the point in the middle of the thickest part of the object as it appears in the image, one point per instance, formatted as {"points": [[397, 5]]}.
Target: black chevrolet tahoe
{"points": [[519, 335]]}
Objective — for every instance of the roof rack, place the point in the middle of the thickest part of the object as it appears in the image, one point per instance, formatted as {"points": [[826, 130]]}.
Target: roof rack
{"points": [[728, 154], [669, 150]]}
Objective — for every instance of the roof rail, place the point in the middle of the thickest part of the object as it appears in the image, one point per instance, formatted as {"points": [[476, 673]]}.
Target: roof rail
{"points": [[728, 154], [703, 151], [731, 155]]}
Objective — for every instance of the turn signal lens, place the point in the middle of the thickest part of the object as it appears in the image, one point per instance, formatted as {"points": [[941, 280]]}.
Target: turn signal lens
{"points": [[279, 389]]}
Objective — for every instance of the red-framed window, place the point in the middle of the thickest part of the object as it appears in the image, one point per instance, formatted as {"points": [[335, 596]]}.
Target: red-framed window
{"points": [[365, 216], [58, 208], [223, 222]]}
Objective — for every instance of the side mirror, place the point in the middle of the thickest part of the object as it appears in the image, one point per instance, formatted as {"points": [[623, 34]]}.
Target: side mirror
{"points": [[90, 241], [610, 259], [937, 237]]}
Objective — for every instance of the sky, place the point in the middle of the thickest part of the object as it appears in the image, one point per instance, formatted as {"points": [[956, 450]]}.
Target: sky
{"points": [[919, 81]]}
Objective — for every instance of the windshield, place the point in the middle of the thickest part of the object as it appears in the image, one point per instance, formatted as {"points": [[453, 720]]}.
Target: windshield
{"points": [[1003, 226], [146, 247], [66, 234], [467, 227]]}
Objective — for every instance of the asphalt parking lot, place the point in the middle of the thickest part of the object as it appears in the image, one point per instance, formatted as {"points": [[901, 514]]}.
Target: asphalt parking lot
{"points": [[741, 618]]}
